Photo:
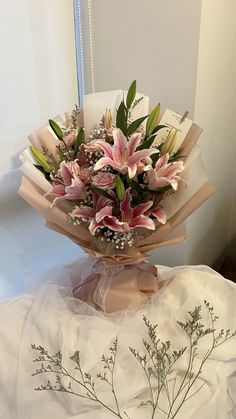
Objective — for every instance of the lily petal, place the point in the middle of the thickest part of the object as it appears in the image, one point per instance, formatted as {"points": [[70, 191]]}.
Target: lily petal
{"points": [[141, 208], [76, 190], [134, 142], [143, 221], [103, 202], [106, 161], [120, 141], [173, 169], [93, 226], [66, 172], [81, 212], [127, 212], [160, 215], [104, 212], [116, 225], [58, 190], [174, 183], [132, 170], [162, 161], [139, 155], [105, 147]]}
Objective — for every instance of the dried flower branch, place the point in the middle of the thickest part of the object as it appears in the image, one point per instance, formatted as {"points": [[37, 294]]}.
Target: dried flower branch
{"points": [[168, 389]]}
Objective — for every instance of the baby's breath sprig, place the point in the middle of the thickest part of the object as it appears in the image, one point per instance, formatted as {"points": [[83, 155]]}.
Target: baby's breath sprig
{"points": [[119, 240]]}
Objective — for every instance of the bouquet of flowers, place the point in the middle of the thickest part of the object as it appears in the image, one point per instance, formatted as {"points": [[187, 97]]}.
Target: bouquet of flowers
{"points": [[118, 180]]}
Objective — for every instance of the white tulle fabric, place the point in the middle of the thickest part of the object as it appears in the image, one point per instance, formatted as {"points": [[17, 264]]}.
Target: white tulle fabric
{"points": [[50, 316]]}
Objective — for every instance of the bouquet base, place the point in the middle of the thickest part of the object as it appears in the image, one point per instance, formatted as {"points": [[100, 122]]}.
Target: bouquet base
{"points": [[115, 288]]}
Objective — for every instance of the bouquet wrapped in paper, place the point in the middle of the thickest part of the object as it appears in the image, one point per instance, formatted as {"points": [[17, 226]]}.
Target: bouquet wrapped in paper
{"points": [[119, 181]]}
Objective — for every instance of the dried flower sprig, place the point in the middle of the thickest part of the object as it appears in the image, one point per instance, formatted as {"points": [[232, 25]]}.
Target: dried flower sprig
{"points": [[168, 390], [159, 360], [85, 382]]}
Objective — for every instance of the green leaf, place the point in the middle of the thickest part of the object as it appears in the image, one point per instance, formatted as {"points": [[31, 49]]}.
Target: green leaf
{"points": [[155, 157], [115, 211], [56, 129], [147, 143], [176, 156], [127, 179], [41, 160], [120, 188], [156, 129], [152, 120], [121, 118], [79, 140], [41, 169], [131, 94], [62, 155], [101, 192], [135, 124], [136, 187]]}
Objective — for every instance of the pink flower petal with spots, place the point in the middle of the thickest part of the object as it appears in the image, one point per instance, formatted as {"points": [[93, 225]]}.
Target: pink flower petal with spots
{"points": [[81, 212], [76, 190], [141, 208], [66, 172], [115, 225], [160, 215], [104, 212], [93, 226], [102, 202], [127, 212], [143, 221]]}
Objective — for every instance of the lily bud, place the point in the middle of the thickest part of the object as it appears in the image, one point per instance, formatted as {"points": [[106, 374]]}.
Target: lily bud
{"points": [[120, 188], [169, 145], [107, 119], [41, 160]]}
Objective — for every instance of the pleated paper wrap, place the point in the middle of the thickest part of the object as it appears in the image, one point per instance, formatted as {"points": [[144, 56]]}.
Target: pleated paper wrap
{"points": [[114, 280]]}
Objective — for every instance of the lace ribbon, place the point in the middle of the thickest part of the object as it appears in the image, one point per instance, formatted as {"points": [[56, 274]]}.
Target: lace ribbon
{"points": [[95, 269]]}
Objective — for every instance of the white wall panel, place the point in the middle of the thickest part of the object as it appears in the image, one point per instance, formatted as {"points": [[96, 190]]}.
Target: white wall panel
{"points": [[214, 225]]}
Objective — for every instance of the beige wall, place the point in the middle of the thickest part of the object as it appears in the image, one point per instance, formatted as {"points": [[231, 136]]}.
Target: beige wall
{"points": [[211, 227]]}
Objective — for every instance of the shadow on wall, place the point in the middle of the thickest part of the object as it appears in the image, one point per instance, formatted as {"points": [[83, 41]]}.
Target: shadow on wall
{"points": [[228, 266], [27, 246]]}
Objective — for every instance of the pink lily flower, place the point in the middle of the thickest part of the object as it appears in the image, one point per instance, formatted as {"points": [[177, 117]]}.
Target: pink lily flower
{"points": [[70, 185], [122, 156], [158, 213], [89, 213], [164, 173], [128, 219]]}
